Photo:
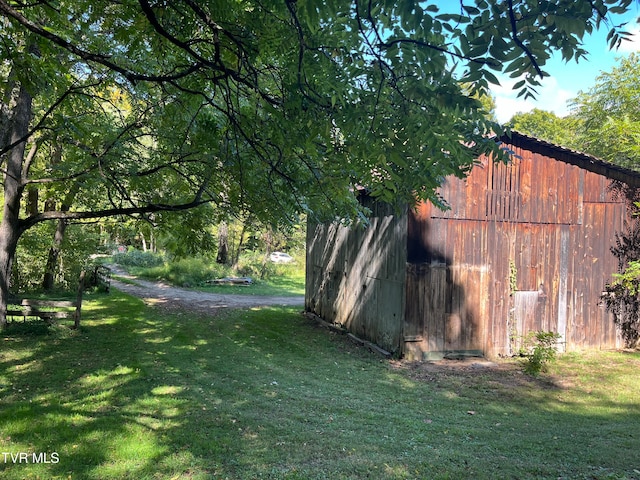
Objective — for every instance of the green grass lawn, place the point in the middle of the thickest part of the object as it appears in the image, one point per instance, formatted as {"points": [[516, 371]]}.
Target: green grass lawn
{"points": [[282, 280], [290, 284], [140, 394]]}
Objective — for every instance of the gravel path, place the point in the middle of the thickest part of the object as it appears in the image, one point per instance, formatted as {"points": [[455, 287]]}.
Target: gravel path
{"points": [[169, 297]]}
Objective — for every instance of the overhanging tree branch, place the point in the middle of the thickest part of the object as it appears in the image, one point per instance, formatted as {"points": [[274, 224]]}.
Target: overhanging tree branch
{"points": [[518, 42], [32, 220], [45, 116], [104, 60]]}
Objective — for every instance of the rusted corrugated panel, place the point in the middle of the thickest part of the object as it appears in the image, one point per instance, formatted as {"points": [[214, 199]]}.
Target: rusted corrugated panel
{"points": [[526, 174], [592, 282], [574, 191], [595, 327], [596, 188], [498, 288], [563, 265]]}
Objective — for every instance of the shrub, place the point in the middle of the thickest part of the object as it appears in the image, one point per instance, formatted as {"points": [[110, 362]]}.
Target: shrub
{"points": [[80, 241], [137, 258], [189, 272], [254, 264], [539, 349], [186, 272]]}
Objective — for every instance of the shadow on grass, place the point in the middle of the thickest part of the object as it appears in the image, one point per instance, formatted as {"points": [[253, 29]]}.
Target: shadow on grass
{"points": [[136, 393]]}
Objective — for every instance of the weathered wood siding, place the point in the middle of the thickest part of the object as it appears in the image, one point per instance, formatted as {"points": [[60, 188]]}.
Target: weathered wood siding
{"points": [[355, 276], [524, 247]]}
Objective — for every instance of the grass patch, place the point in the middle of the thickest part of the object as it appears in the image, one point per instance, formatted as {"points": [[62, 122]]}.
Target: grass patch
{"points": [[278, 279], [142, 394], [286, 280]]}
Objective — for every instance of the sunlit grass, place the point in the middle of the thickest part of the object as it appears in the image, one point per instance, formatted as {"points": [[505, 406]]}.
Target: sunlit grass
{"points": [[141, 394], [278, 279]]}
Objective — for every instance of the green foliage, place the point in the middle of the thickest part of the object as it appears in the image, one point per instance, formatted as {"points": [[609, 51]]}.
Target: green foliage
{"points": [[137, 258], [539, 349], [621, 296], [268, 278], [546, 126], [256, 265], [183, 272], [31, 257], [187, 234], [275, 110], [604, 122], [630, 278], [609, 115], [155, 107]]}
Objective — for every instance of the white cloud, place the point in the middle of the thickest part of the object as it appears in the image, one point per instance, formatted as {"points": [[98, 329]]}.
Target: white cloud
{"points": [[632, 45], [550, 97]]}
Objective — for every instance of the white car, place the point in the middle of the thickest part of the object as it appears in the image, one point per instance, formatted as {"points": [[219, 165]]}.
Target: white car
{"points": [[280, 257]]}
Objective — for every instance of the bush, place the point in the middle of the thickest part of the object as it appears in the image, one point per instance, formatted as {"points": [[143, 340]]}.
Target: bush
{"points": [[189, 272], [254, 264], [198, 270], [539, 349], [80, 241], [137, 258], [186, 272]]}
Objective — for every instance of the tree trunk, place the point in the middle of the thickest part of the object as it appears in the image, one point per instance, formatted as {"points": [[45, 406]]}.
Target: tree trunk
{"points": [[223, 244], [236, 256], [13, 187], [51, 268]]}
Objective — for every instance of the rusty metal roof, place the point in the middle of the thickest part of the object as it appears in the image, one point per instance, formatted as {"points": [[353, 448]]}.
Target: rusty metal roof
{"points": [[573, 157]]}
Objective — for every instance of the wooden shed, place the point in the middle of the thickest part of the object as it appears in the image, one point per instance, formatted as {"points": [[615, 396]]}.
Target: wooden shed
{"points": [[525, 246]]}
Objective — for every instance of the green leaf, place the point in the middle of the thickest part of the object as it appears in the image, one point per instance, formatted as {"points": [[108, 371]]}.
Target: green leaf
{"points": [[452, 17]]}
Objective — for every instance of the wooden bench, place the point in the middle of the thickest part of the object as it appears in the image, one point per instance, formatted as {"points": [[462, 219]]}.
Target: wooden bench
{"points": [[28, 307], [44, 309]]}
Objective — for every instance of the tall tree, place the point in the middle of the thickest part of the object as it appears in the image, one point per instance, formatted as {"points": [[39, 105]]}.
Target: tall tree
{"points": [[609, 115], [546, 126], [276, 107]]}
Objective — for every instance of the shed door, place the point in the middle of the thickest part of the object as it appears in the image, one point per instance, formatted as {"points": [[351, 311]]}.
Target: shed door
{"points": [[529, 309], [446, 308]]}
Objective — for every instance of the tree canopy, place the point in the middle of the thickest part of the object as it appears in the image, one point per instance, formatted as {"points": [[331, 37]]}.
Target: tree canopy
{"points": [[604, 121], [609, 115], [276, 107], [271, 107], [546, 126]]}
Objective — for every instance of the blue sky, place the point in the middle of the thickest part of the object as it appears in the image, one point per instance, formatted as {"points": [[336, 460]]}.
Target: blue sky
{"points": [[567, 79]]}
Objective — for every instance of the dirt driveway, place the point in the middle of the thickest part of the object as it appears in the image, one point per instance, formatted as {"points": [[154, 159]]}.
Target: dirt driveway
{"points": [[169, 297]]}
